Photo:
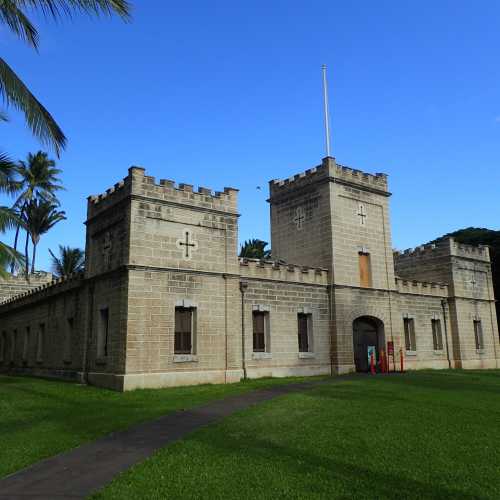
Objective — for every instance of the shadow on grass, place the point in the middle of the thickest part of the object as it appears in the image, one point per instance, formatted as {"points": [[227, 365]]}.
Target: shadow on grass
{"points": [[327, 471]]}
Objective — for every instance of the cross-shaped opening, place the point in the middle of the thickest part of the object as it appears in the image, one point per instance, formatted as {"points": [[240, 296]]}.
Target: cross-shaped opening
{"points": [[362, 214], [299, 218], [187, 244]]}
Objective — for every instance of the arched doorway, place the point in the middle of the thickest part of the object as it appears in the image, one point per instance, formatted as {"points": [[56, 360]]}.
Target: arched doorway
{"points": [[367, 331]]}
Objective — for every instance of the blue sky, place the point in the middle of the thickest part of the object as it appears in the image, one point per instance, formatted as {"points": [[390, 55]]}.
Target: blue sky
{"points": [[226, 93]]}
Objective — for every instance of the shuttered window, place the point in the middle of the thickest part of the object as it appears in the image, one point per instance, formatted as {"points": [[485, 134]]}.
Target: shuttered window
{"points": [[478, 334], [103, 333], [409, 327], [39, 343], [3, 346], [26, 343], [68, 336], [437, 336], [365, 272], [303, 320], [259, 331], [183, 330]]}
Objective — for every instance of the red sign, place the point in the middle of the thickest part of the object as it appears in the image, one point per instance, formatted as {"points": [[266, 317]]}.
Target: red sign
{"points": [[390, 348]]}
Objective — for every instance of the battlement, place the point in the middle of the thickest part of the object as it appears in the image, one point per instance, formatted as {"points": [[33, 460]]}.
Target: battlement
{"points": [[56, 285], [480, 252], [329, 170], [444, 247], [421, 287], [184, 194], [139, 184], [15, 285], [275, 270]]}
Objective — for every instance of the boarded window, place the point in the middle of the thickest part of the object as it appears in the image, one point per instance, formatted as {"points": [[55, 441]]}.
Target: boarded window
{"points": [[39, 342], [68, 335], [103, 333], [183, 343], [409, 327], [304, 327], [437, 336], [259, 331], [478, 334], [26, 343], [365, 272]]}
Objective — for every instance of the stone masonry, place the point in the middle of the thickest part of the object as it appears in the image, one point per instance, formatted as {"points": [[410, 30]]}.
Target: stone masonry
{"points": [[165, 300]]}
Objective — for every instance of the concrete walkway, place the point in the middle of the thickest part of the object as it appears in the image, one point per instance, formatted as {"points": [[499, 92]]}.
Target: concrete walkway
{"points": [[78, 473]]}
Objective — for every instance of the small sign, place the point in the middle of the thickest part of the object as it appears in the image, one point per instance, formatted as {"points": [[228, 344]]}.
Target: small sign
{"points": [[390, 348], [371, 349]]}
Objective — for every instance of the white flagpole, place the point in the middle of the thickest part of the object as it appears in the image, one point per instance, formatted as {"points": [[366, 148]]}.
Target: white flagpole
{"points": [[327, 114]]}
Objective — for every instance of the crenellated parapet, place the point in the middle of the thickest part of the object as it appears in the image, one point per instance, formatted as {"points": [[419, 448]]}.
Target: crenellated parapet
{"points": [[42, 291], [275, 270], [444, 247], [421, 287], [138, 184], [329, 170], [16, 285], [182, 194], [481, 252]]}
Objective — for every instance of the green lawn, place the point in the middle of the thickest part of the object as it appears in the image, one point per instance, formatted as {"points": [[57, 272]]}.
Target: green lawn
{"points": [[40, 418], [423, 435]]}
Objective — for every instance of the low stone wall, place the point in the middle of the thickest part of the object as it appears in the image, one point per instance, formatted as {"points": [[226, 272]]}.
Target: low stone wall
{"points": [[16, 285]]}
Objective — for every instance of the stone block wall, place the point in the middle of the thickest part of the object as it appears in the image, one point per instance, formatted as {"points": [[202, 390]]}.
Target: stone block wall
{"points": [[283, 292], [17, 285], [153, 296], [42, 333]]}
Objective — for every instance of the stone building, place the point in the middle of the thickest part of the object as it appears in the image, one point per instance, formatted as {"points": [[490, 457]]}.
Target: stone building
{"points": [[166, 301]]}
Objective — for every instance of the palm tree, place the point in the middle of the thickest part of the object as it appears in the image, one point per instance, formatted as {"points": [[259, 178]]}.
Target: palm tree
{"points": [[37, 179], [8, 217], [255, 249], [70, 260], [40, 216], [13, 91], [15, 94]]}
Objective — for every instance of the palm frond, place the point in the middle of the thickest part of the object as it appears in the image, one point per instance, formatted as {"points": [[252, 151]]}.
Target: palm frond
{"points": [[4, 117], [70, 260], [9, 219], [39, 120], [18, 23], [59, 8], [7, 256], [8, 170]]}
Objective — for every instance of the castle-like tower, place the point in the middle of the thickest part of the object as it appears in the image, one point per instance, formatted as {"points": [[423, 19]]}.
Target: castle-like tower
{"points": [[166, 301]]}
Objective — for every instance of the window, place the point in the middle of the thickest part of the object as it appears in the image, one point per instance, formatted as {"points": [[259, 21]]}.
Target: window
{"points": [[39, 343], [260, 320], [437, 337], [13, 345], [26, 343], [184, 322], [305, 324], [365, 271], [478, 334], [68, 334], [3, 346], [409, 326], [103, 333]]}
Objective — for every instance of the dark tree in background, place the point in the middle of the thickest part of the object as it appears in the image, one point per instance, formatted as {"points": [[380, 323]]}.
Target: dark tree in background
{"points": [[483, 236], [255, 249]]}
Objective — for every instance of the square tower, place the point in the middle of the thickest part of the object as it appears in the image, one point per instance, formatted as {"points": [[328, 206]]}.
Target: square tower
{"points": [[337, 217]]}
